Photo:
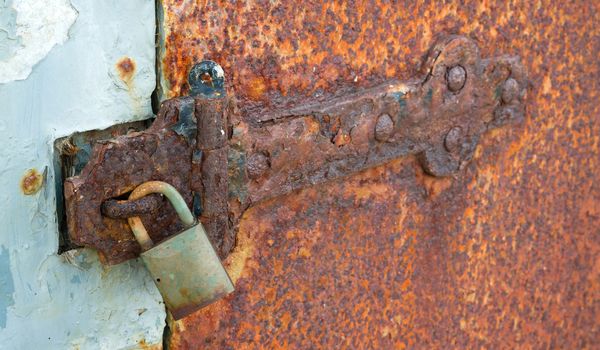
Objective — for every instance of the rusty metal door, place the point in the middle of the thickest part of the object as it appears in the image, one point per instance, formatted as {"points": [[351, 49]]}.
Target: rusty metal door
{"points": [[376, 174], [505, 253]]}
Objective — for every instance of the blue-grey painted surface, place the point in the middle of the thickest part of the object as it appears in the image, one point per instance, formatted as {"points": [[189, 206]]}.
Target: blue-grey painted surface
{"points": [[68, 301], [7, 287]]}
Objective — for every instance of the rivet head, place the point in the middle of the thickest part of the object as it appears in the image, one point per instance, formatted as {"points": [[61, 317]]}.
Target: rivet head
{"points": [[384, 127], [510, 90], [453, 140], [257, 164], [456, 78]]}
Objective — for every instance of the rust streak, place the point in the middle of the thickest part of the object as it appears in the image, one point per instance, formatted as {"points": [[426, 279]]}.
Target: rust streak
{"points": [[126, 69]]}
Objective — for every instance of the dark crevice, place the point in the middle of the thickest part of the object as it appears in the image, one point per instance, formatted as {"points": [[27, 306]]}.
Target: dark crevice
{"points": [[166, 336], [157, 93], [156, 97]]}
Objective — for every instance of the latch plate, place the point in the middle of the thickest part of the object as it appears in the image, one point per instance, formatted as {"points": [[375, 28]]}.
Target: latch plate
{"points": [[223, 165]]}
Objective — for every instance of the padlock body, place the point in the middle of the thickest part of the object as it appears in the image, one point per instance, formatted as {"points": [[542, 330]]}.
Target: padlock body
{"points": [[187, 271]]}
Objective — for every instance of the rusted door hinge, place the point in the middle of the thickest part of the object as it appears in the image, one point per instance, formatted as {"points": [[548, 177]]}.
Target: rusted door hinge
{"points": [[223, 165]]}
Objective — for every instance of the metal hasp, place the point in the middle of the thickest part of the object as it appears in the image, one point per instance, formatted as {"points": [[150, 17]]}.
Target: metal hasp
{"points": [[223, 165]]}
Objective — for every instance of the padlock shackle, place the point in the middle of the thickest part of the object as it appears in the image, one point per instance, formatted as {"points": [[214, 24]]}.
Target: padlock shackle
{"points": [[177, 201]]}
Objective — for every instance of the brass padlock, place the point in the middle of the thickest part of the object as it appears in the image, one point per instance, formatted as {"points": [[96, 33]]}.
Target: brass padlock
{"points": [[185, 267]]}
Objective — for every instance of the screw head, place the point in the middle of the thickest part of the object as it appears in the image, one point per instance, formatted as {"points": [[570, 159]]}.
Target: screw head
{"points": [[456, 78], [384, 128], [206, 77], [510, 90], [453, 140]]}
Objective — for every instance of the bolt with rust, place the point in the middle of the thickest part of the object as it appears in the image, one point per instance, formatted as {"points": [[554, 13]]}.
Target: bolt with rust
{"points": [[456, 78], [510, 90], [206, 78], [257, 164], [384, 128], [453, 140]]}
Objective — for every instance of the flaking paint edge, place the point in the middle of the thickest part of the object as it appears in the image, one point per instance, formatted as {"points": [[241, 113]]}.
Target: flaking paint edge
{"points": [[39, 26]]}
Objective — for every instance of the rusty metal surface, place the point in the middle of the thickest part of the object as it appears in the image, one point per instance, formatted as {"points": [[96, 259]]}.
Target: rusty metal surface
{"points": [[437, 116], [116, 166], [211, 179], [314, 143], [186, 145], [440, 115], [71, 154], [122, 209], [503, 256]]}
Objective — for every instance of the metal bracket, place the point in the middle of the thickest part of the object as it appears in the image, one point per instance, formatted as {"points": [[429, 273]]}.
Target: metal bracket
{"points": [[223, 166]]}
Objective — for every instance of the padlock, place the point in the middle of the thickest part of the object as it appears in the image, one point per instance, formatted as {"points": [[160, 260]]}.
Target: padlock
{"points": [[185, 266]]}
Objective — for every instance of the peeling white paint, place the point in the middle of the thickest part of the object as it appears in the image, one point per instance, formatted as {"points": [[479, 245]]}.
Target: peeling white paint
{"points": [[40, 25], [71, 301]]}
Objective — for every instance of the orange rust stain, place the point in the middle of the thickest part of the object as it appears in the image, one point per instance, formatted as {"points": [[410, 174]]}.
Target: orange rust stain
{"points": [[434, 185], [126, 69], [341, 139], [31, 182], [368, 191], [143, 345], [257, 87]]}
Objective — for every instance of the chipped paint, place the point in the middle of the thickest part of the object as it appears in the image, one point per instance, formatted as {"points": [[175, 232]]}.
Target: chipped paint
{"points": [[9, 41], [38, 27]]}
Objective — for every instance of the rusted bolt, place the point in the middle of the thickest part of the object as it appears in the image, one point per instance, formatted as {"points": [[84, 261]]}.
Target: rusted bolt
{"points": [[384, 127], [510, 90], [31, 182], [456, 78], [453, 139], [206, 77], [122, 209], [257, 164]]}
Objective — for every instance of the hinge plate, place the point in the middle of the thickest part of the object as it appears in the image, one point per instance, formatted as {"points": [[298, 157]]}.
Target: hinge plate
{"points": [[223, 165]]}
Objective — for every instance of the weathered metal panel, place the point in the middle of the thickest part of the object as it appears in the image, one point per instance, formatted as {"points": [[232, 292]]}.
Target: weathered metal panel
{"points": [[504, 254], [439, 116]]}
